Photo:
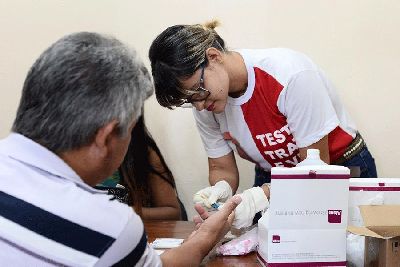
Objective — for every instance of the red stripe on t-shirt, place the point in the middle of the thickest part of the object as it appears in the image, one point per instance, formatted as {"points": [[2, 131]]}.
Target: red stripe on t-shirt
{"points": [[267, 125]]}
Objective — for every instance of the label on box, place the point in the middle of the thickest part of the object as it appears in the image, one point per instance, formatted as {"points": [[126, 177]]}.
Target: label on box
{"points": [[309, 203], [306, 247]]}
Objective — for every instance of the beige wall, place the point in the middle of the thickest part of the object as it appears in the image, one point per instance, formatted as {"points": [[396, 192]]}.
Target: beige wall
{"points": [[357, 43]]}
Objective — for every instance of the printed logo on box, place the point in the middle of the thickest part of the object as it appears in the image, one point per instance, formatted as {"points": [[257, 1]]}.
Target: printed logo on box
{"points": [[276, 239], [334, 216]]}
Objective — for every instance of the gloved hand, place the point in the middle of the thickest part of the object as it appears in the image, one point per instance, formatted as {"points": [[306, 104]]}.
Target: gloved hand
{"points": [[220, 192], [253, 201]]}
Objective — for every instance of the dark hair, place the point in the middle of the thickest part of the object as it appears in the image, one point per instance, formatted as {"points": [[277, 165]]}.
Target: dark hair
{"points": [[176, 54], [76, 86], [136, 167]]}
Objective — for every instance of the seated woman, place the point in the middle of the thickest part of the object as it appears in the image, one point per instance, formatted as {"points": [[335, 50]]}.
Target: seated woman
{"points": [[147, 182]]}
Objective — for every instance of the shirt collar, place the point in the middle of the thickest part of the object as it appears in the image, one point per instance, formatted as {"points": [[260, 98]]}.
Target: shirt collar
{"points": [[29, 152], [250, 80]]}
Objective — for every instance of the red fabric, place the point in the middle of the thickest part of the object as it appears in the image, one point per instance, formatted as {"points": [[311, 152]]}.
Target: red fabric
{"points": [[269, 129], [338, 141]]}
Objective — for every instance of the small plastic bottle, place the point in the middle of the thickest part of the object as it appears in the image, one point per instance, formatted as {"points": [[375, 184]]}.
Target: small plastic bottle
{"points": [[312, 159]]}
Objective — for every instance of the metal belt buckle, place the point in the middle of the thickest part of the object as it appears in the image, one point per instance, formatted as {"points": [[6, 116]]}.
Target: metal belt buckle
{"points": [[355, 147]]}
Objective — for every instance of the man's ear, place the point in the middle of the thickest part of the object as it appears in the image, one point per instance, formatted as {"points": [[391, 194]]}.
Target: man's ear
{"points": [[213, 55], [104, 136]]}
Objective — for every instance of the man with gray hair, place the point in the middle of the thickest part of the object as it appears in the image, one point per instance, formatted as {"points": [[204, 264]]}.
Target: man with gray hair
{"points": [[79, 103]]}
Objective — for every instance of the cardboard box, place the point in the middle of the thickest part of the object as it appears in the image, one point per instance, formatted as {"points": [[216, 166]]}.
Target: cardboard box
{"points": [[382, 252], [382, 235], [307, 219]]}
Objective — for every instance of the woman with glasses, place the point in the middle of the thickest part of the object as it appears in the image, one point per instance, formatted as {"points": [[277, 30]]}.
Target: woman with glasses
{"points": [[271, 105]]}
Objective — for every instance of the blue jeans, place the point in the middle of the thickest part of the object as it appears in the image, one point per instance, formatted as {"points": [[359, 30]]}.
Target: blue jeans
{"points": [[363, 160], [261, 177]]}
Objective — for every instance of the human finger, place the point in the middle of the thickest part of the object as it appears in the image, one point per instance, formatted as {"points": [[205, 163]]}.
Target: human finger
{"points": [[197, 219], [201, 211], [230, 205], [197, 226], [231, 217]]}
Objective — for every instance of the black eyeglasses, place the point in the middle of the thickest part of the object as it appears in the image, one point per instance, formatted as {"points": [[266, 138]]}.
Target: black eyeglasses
{"points": [[200, 93]]}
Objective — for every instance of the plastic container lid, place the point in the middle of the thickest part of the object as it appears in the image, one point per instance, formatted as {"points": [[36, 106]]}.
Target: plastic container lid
{"points": [[312, 159]]}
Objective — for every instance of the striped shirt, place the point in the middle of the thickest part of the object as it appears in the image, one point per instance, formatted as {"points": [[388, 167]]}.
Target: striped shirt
{"points": [[50, 217]]}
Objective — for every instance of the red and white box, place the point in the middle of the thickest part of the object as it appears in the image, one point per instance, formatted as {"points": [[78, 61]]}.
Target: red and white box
{"points": [[307, 219], [371, 191]]}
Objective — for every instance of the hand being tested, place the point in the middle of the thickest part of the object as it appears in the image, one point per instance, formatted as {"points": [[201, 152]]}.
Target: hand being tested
{"points": [[217, 225], [204, 238], [219, 192]]}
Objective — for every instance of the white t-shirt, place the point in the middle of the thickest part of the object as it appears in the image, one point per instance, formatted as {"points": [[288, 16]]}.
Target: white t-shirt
{"points": [[288, 103], [50, 217]]}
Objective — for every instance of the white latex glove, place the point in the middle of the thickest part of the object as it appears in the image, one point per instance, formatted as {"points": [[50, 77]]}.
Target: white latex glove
{"points": [[220, 192], [253, 201]]}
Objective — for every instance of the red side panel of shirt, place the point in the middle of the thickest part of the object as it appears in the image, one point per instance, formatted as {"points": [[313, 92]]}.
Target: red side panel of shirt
{"points": [[268, 126], [338, 141]]}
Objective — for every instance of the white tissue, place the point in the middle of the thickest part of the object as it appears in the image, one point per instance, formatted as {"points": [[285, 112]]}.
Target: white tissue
{"points": [[166, 243]]}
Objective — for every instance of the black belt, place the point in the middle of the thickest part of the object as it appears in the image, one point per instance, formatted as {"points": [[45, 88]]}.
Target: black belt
{"points": [[352, 150]]}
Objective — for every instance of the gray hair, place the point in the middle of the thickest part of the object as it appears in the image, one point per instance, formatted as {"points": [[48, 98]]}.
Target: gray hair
{"points": [[79, 84]]}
